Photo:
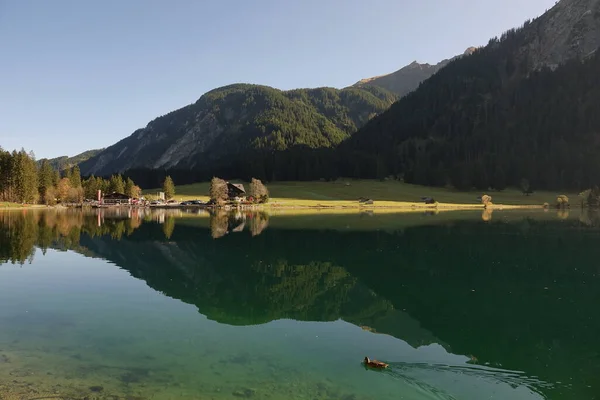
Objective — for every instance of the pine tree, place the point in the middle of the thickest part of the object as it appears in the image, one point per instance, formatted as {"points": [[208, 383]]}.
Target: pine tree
{"points": [[5, 169], [18, 176], [116, 184], [75, 177], [103, 185], [45, 181], [129, 187], [31, 179], [90, 188], [67, 173], [56, 178], [169, 187]]}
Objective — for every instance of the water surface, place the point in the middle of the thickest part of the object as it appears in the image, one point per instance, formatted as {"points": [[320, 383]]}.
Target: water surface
{"points": [[138, 305]]}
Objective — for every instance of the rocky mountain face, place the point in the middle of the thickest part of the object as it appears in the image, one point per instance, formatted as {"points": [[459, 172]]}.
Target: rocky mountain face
{"points": [[571, 29], [408, 78], [232, 120]]}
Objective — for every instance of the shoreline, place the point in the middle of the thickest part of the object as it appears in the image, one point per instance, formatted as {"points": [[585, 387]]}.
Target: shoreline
{"points": [[331, 205], [403, 206]]}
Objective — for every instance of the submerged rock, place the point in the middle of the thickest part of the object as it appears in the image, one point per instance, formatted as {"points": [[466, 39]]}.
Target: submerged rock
{"points": [[245, 393]]}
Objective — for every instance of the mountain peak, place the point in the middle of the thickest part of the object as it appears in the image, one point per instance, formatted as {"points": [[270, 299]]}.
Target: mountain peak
{"points": [[408, 78]]}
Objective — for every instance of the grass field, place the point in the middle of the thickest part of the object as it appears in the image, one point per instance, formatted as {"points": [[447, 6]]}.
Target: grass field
{"points": [[4, 204], [344, 193]]}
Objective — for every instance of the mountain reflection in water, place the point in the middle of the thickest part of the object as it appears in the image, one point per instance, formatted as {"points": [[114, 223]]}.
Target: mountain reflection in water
{"points": [[459, 308]]}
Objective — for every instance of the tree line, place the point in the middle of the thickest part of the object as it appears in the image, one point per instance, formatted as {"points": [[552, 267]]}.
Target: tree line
{"points": [[24, 180], [21, 234]]}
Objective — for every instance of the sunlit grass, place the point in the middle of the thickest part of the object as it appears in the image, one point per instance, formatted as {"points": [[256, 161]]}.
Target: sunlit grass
{"points": [[345, 193], [5, 204]]}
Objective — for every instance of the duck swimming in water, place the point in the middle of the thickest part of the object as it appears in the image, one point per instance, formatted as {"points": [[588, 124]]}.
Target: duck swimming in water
{"points": [[375, 363]]}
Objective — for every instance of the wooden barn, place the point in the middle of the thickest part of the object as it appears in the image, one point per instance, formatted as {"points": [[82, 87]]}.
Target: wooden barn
{"points": [[116, 199], [235, 190]]}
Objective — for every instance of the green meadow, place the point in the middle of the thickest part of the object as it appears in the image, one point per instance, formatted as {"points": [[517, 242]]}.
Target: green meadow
{"points": [[384, 193]]}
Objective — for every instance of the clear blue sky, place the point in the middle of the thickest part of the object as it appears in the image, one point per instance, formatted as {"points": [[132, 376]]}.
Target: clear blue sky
{"points": [[79, 74]]}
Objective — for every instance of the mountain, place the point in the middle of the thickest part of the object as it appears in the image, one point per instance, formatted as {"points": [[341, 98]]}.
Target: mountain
{"points": [[228, 122], [408, 78], [521, 108], [64, 162]]}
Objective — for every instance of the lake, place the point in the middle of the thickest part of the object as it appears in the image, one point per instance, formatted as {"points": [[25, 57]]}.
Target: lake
{"points": [[138, 304]]}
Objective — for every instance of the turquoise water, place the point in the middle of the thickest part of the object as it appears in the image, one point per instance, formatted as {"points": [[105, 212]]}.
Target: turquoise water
{"points": [[154, 307]]}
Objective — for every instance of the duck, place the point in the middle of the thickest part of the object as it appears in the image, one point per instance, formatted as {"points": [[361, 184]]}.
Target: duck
{"points": [[375, 363]]}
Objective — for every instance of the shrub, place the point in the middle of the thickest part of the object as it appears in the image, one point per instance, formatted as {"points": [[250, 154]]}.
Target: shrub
{"points": [[562, 201], [486, 200], [50, 196]]}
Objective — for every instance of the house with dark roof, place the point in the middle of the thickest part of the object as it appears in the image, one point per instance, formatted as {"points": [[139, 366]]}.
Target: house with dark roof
{"points": [[235, 190], [116, 199]]}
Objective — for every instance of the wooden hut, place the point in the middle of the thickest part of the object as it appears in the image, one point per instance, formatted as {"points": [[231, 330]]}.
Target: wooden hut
{"points": [[235, 190]]}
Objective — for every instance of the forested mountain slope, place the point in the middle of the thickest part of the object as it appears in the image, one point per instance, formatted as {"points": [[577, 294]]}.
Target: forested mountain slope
{"points": [[505, 113], [227, 122], [65, 162]]}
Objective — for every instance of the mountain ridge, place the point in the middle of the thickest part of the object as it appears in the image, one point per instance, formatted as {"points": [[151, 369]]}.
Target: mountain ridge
{"points": [[65, 162], [236, 118], [408, 78]]}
